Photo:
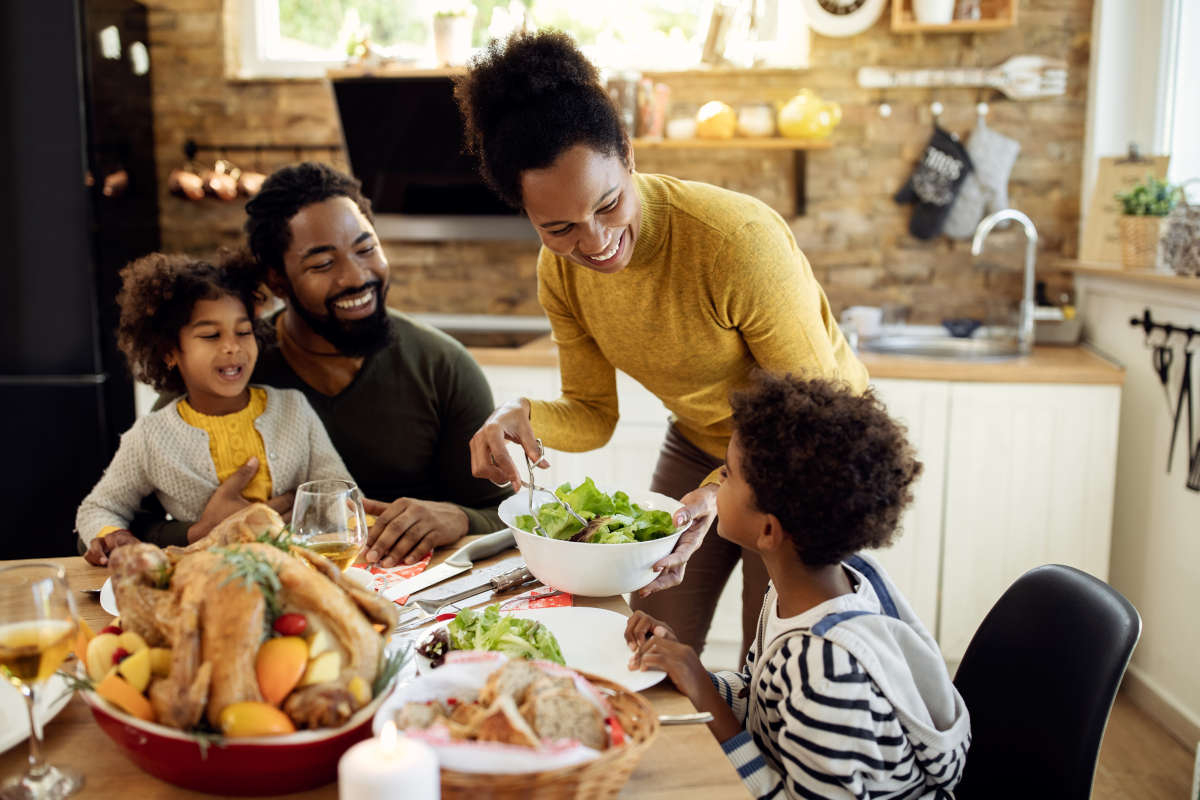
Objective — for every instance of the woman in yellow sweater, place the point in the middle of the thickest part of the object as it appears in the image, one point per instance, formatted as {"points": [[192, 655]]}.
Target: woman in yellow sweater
{"points": [[684, 286]]}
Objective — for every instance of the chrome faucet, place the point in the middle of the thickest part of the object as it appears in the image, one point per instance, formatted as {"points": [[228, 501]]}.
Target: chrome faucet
{"points": [[1025, 323]]}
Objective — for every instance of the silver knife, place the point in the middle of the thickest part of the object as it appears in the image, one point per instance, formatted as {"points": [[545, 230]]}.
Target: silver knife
{"points": [[460, 561], [501, 583]]}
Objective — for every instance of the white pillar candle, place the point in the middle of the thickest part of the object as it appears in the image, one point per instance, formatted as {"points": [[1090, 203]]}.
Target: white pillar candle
{"points": [[389, 767]]}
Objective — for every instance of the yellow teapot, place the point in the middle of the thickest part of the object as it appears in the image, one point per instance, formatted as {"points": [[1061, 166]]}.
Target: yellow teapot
{"points": [[807, 116]]}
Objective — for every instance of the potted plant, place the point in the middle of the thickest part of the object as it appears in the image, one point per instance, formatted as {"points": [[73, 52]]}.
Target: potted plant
{"points": [[1145, 207], [453, 23]]}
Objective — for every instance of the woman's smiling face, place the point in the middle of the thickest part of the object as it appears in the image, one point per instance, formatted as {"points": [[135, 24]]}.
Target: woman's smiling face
{"points": [[585, 208]]}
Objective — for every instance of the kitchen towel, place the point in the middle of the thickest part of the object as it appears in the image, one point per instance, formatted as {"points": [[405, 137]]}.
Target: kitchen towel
{"points": [[985, 190], [935, 183]]}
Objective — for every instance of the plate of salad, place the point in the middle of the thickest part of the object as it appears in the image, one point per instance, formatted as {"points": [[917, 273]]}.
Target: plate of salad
{"points": [[587, 639]]}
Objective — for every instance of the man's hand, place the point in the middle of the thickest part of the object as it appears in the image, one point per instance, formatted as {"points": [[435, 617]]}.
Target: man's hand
{"points": [[227, 500], [699, 508], [100, 547], [408, 529]]}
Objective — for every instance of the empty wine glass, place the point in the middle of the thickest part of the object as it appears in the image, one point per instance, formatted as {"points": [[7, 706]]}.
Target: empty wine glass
{"points": [[328, 518], [38, 623]]}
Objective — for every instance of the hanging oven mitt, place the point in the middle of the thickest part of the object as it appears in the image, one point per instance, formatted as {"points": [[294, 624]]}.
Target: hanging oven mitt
{"points": [[934, 183], [986, 189]]}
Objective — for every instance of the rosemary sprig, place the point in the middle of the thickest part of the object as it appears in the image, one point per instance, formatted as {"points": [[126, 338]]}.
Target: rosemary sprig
{"points": [[74, 684], [206, 739], [281, 540], [391, 661], [253, 571]]}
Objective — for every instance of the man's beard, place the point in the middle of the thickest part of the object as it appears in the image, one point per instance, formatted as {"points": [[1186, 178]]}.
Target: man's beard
{"points": [[356, 338]]}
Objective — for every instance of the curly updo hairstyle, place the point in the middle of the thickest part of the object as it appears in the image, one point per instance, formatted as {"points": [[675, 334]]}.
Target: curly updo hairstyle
{"points": [[158, 292], [832, 466], [528, 99], [283, 194]]}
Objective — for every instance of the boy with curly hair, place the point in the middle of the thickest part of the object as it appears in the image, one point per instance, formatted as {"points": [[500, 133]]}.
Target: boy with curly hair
{"points": [[188, 326], [844, 693]]}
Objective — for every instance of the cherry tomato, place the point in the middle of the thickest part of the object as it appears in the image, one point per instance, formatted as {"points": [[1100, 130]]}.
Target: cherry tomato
{"points": [[290, 624]]}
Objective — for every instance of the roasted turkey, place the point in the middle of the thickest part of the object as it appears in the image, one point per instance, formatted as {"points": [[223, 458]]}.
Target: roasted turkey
{"points": [[203, 602]]}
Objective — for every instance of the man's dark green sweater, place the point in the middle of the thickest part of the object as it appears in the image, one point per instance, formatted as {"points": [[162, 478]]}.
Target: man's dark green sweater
{"points": [[404, 423]]}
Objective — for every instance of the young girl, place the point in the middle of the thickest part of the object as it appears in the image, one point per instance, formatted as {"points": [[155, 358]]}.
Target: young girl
{"points": [[844, 694], [188, 327]]}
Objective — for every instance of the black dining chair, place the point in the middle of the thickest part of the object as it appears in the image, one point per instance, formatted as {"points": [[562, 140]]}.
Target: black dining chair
{"points": [[1039, 678]]}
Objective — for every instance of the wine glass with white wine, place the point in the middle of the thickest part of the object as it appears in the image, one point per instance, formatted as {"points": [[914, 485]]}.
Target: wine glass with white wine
{"points": [[328, 518], [38, 623]]}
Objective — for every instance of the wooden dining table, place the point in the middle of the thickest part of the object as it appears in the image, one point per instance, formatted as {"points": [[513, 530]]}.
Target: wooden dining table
{"points": [[684, 762]]}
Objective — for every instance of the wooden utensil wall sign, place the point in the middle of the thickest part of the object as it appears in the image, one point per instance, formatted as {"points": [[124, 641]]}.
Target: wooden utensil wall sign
{"points": [[1102, 228]]}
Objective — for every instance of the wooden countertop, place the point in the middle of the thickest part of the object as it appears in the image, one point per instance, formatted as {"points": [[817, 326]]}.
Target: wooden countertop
{"points": [[1116, 272], [1044, 365], [684, 762]]}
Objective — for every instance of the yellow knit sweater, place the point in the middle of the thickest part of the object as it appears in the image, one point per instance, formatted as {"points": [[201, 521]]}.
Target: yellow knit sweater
{"points": [[232, 439], [716, 286]]}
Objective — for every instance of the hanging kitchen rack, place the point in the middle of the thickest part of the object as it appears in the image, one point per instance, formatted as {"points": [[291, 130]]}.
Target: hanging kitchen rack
{"points": [[191, 147], [1162, 359], [1147, 324]]}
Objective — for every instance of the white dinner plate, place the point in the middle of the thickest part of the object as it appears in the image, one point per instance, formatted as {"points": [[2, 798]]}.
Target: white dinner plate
{"points": [[108, 599], [591, 640], [14, 719]]}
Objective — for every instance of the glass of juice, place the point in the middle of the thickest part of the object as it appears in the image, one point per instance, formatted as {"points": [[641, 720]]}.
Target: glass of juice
{"points": [[38, 624], [328, 518]]}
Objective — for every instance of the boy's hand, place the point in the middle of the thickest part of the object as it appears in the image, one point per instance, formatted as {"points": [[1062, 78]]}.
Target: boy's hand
{"points": [[641, 626], [100, 547], [678, 660]]}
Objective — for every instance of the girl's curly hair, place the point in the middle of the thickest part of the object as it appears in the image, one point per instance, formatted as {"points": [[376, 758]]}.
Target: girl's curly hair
{"points": [[528, 99], [158, 292], [832, 466]]}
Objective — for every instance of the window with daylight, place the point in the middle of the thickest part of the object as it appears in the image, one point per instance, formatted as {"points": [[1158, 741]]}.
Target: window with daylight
{"points": [[304, 38]]}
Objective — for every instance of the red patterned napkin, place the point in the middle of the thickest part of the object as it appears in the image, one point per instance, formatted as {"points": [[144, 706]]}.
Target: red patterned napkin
{"points": [[383, 577], [541, 597]]}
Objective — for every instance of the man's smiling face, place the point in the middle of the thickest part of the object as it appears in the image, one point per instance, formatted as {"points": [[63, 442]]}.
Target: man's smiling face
{"points": [[337, 275]]}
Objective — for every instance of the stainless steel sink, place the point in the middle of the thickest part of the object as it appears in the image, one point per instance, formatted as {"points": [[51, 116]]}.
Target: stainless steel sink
{"points": [[935, 345]]}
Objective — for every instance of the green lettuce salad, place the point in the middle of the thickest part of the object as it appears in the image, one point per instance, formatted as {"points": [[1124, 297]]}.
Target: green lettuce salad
{"points": [[611, 519]]}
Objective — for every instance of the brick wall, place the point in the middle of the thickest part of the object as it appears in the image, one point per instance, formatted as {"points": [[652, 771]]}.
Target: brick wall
{"points": [[853, 233]]}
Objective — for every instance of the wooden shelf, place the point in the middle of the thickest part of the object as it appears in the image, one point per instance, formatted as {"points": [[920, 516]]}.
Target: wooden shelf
{"points": [[797, 147], [736, 143], [1115, 271], [995, 15]]}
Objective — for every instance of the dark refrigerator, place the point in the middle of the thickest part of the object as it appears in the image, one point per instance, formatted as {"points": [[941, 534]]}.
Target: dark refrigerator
{"points": [[79, 201]]}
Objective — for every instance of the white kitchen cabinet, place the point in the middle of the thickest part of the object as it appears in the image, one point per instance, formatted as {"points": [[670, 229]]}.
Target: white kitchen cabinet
{"points": [[1030, 475], [912, 560]]}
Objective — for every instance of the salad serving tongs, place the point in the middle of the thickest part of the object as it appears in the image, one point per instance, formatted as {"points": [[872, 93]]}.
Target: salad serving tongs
{"points": [[537, 527]]}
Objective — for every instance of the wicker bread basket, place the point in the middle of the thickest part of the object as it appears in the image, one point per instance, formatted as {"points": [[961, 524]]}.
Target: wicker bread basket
{"points": [[601, 778]]}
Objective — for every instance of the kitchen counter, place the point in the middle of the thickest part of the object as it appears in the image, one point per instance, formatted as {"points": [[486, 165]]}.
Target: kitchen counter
{"points": [[1045, 365]]}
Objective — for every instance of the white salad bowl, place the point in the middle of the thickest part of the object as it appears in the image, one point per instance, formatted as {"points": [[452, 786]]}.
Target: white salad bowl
{"points": [[583, 568]]}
